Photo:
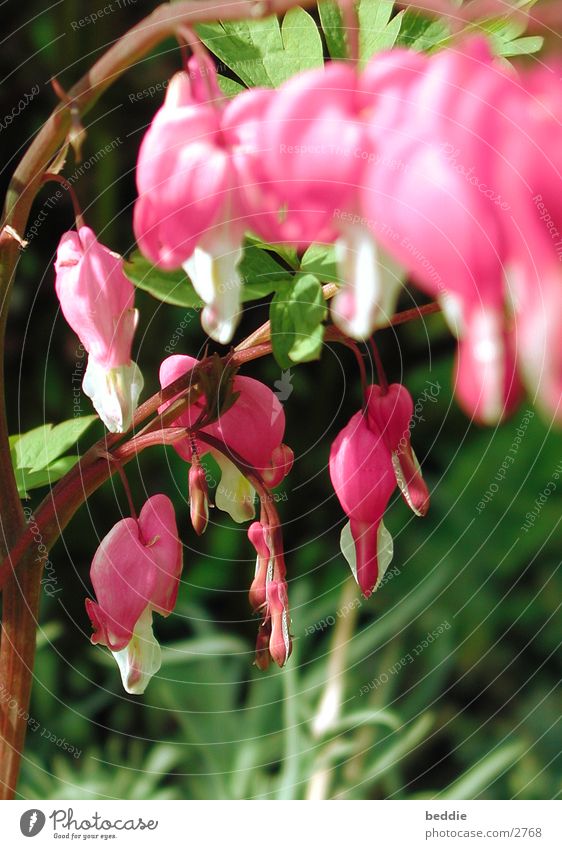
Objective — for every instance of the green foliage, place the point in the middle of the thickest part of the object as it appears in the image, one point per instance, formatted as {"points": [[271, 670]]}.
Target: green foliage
{"points": [[36, 455], [296, 314], [332, 27], [263, 52], [421, 33], [506, 34], [378, 28], [260, 272]]}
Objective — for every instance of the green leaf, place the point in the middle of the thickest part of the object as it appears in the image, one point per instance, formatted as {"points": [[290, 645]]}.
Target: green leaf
{"points": [[262, 53], [243, 46], [170, 287], [420, 33], [332, 26], [321, 261], [296, 316], [27, 480], [259, 271], [521, 46], [39, 447], [504, 34], [301, 42], [229, 87], [378, 30], [36, 455]]}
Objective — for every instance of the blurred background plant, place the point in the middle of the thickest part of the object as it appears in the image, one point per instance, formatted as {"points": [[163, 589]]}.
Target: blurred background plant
{"points": [[473, 714]]}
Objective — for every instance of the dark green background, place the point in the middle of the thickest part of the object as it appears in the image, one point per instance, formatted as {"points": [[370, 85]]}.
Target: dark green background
{"points": [[476, 714]]}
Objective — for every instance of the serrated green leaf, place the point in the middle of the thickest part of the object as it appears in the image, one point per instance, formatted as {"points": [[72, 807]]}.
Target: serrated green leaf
{"points": [[301, 42], [377, 29], [288, 255], [243, 45], [262, 53], [420, 33], [332, 27], [40, 447], [504, 35], [296, 315], [261, 273]]}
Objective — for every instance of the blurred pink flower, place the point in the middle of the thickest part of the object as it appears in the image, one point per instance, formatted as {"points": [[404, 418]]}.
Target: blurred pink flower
{"points": [[97, 300], [188, 212], [434, 201]]}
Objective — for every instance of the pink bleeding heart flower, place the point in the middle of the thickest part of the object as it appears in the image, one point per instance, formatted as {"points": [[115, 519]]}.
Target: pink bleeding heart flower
{"points": [[312, 151], [135, 572], [487, 382], [529, 174], [369, 457], [429, 200], [390, 413], [363, 478], [97, 300], [251, 429], [189, 212], [316, 150]]}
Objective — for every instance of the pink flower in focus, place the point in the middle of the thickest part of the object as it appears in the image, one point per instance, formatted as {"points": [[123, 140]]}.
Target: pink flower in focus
{"points": [[252, 429], [390, 413], [369, 457], [135, 572], [97, 300]]}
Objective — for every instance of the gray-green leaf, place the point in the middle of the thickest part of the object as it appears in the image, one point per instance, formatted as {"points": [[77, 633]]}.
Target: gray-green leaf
{"points": [[296, 315]]}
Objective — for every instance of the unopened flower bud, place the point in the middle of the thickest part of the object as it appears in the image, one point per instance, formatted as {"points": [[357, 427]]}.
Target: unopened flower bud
{"points": [[264, 566], [262, 646], [198, 498], [278, 605], [280, 465]]}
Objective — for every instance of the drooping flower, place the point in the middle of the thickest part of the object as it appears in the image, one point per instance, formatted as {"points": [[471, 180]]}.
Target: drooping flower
{"points": [[251, 429], [432, 200], [189, 212], [97, 300], [316, 150], [269, 597], [390, 412], [368, 459], [136, 572], [530, 179]]}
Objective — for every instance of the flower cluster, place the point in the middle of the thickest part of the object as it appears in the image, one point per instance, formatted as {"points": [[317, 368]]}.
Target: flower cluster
{"points": [[414, 168]]}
